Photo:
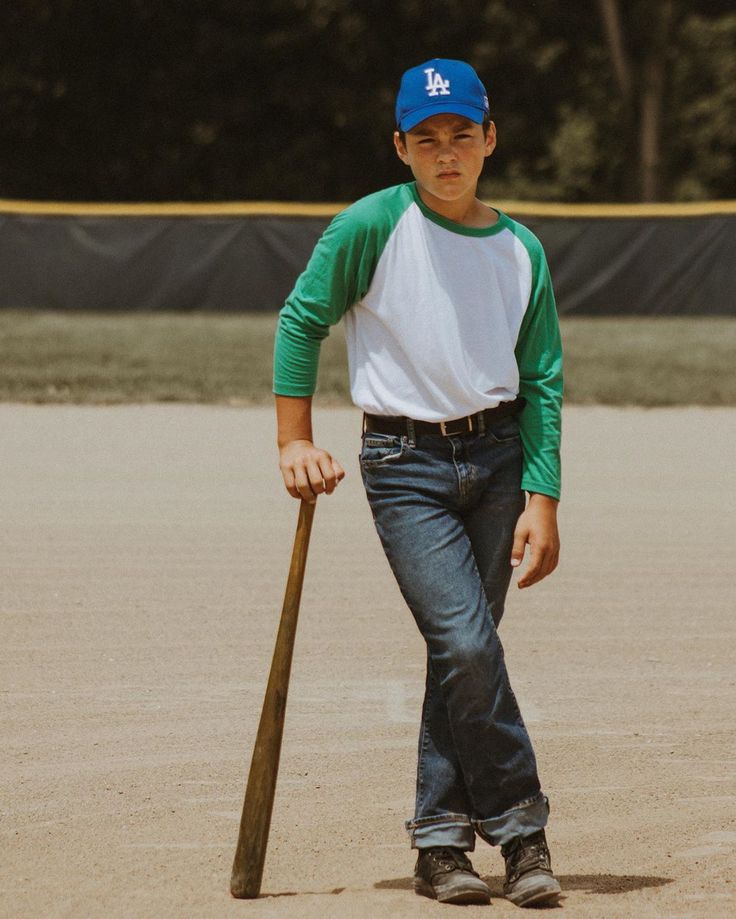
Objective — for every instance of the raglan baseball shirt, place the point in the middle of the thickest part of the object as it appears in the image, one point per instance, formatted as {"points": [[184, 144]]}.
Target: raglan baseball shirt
{"points": [[441, 321]]}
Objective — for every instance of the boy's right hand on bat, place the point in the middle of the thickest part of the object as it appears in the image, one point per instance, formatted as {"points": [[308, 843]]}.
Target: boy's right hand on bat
{"points": [[308, 471]]}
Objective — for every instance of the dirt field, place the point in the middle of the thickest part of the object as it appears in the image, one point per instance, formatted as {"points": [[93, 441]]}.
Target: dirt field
{"points": [[143, 555]]}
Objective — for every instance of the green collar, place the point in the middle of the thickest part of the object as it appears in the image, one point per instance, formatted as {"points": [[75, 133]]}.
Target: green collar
{"points": [[451, 225]]}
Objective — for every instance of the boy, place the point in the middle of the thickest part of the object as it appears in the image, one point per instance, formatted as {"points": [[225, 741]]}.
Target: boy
{"points": [[455, 359]]}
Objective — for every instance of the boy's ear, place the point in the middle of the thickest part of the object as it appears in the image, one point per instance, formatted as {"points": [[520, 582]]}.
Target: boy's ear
{"points": [[490, 139], [400, 148]]}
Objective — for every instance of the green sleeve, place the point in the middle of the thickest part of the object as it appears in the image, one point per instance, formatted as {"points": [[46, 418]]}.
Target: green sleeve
{"points": [[338, 275], [539, 358]]}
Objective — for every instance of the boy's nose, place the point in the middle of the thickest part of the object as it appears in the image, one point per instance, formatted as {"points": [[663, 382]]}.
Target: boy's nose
{"points": [[446, 152]]}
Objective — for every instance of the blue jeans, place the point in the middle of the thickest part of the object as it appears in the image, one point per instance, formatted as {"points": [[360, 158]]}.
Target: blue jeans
{"points": [[445, 509]]}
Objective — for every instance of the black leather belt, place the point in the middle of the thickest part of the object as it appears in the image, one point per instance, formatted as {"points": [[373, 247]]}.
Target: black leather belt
{"points": [[398, 424]]}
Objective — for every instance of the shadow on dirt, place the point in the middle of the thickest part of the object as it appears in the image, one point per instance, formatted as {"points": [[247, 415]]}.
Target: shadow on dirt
{"points": [[300, 893], [589, 883]]}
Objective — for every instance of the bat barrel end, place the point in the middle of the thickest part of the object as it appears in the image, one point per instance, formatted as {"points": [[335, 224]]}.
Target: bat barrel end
{"points": [[243, 888]]}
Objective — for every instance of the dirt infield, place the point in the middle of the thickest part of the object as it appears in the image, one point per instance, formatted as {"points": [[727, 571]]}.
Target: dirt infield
{"points": [[143, 557]]}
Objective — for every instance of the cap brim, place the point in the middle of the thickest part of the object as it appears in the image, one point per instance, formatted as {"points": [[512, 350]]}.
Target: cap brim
{"points": [[412, 119]]}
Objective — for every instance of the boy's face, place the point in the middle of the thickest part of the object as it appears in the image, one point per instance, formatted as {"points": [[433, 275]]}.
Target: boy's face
{"points": [[446, 154]]}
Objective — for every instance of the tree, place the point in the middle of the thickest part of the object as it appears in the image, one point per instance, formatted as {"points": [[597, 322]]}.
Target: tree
{"points": [[651, 45], [641, 86]]}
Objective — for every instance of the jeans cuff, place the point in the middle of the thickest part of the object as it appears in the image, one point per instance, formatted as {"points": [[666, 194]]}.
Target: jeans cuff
{"points": [[443, 830], [525, 818]]}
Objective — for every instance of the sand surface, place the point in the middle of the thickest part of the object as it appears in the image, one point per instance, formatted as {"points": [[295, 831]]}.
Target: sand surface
{"points": [[143, 556]]}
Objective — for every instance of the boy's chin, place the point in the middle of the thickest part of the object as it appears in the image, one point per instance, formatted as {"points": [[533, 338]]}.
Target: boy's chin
{"points": [[447, 192]]}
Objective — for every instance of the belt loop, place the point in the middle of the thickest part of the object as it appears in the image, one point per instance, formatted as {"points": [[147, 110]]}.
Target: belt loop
{"points": [[364, 426], [482, 423], [411, 432]]}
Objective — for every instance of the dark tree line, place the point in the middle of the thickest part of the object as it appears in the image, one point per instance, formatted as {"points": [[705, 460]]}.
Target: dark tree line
{"points": [[293, 99]]}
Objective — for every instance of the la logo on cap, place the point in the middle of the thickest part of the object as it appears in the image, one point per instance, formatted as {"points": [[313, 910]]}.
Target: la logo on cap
{"points": [[436, 86]]}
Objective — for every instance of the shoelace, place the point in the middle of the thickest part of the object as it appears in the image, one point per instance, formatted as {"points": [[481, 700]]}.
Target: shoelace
{"points": [[522, 857], [449, 860]]}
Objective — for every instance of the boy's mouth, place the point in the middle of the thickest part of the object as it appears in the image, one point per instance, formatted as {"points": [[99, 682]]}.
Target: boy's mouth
{"points": [[448, 174]]}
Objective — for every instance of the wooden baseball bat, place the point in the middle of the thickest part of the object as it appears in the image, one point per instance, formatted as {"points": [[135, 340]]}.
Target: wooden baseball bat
{"points": [[255, 821]]}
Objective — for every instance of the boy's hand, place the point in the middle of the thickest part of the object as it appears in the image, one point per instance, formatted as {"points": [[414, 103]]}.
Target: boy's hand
{"points": [[308, 471], [537, 526]]}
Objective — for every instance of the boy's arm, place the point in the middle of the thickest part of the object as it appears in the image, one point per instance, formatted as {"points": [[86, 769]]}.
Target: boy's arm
{"points": [[539, 357], [337, 275], [307, 470], [326, 288]]}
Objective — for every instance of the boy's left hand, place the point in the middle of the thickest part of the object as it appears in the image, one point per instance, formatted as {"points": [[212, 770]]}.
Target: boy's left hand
{"points": [[537, 526]]}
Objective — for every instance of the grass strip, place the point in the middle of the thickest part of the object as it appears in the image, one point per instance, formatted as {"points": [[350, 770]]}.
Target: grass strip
{"points": [[102, 358]]}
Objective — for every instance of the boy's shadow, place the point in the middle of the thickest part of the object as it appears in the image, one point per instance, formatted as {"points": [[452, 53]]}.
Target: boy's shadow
{"points": [[590, 883]]}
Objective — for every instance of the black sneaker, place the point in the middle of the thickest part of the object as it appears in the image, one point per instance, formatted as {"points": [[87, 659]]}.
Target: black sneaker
{"points": [[446, 874], [529, 878]]}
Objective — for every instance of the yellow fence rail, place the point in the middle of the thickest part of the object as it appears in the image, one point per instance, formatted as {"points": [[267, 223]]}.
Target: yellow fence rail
{"points": [[296, 209]]}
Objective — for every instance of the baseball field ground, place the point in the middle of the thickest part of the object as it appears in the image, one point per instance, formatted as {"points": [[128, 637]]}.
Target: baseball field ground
{"points": [[144, 557]]}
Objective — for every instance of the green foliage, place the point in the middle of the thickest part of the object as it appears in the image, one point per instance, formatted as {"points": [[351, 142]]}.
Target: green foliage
{"points": [[293, 99], [704, 80], [574, 152]]}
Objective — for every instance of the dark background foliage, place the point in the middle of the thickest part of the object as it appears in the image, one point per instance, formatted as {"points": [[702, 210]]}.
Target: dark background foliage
{"points": [[293, 99]]}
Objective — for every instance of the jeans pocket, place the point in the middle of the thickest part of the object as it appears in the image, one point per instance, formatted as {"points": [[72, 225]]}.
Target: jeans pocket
{"points": [[504, 431], [381, 449]]}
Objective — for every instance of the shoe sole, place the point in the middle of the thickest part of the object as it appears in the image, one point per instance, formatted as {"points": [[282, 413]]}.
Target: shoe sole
{"points": [[538, 892], [467, 894]]}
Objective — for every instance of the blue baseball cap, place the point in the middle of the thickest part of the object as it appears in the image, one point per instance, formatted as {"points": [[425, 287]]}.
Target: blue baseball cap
{"points": [[440, 87]]}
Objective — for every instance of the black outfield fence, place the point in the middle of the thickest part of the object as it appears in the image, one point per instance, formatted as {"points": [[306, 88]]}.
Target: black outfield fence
{"points": [[239, 257]]}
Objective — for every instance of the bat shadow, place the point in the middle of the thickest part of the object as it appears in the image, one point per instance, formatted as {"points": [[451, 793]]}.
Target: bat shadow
{"points": [[300, 893]]}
